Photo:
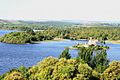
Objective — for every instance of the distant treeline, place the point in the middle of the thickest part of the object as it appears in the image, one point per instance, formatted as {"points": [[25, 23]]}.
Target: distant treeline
{"points": [[43, 25], [28, 36], [101, 33]]}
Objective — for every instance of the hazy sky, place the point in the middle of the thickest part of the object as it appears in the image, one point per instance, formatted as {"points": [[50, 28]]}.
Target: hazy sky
{"points": [[60, 9]]}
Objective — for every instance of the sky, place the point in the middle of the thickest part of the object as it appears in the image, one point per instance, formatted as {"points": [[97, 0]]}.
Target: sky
{"points": [[60, 10]]}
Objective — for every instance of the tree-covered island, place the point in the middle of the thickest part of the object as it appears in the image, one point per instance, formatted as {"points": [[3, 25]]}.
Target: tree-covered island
{"points": [[28, 35]]}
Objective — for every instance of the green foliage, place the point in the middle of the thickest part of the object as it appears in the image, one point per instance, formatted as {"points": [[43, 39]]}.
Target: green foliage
{"points": [[88, 65], [97, 61], [17, 37], [24, 71], [65, 54], [74, 33], [100, 61], [43, 70], [80, 77], [14, 76], [112, 72], [62, 69], [20, 73], [85, 70], [86, 54], [25, 37], [26, 29], [53, 69], [101, 33], [94, 47]]}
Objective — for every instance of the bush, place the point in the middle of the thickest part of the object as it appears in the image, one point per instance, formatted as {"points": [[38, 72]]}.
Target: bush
{"points": [[112, 72], [14, 76]]}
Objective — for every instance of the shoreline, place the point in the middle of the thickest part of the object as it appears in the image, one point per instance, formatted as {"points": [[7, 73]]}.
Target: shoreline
{"points": [[61, 39], [55, 39], [37, 42], [113, 41]]}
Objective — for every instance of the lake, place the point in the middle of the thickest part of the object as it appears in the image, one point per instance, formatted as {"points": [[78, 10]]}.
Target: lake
{"points": [[15, 55]]}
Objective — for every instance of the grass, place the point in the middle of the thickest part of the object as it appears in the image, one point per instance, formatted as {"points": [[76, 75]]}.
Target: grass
{"points": [[113, 41]]}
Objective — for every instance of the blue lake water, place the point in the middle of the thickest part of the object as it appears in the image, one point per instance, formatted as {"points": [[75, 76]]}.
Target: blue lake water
{"points": [[15, 55]]}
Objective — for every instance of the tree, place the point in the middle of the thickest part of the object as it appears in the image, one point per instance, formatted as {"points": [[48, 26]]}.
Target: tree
{"points": [[112, 72], [97, 61], [86, 54], [65, 54], [14, 76], [100, 61]]}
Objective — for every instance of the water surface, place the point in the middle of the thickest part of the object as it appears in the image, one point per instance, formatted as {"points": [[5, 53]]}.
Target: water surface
{"points": [[15, 55]]}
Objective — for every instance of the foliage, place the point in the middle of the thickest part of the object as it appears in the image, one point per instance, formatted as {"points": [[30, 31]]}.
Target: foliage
{"points": [[88, 65], [100, 61], [17, 37], [65, 54], [43, 69], [94, 47], [25, 37], [53, 69], [112, 72], [97, 61], [14, 76], [20, 73], [62, 69], [86, 54], [74, 33]]}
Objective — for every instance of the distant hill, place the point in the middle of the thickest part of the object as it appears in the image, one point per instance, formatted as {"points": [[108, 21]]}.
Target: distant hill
{"points": [[4, 21], [64, 23], [49, 23], [9, 21]]}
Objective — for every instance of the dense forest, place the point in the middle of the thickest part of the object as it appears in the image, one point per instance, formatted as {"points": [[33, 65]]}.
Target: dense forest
{"points": [[28, 35], [48, 30], [86, 66]]}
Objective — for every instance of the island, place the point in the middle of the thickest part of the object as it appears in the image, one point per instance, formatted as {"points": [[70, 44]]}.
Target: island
{"points": [[92, 43], [30, 35]]}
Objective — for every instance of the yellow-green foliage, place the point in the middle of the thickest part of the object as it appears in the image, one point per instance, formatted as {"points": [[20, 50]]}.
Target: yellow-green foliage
{"points": [[16, 38], [14, 76], [80, 77], [101, 33], [25, 37], [63, 69], [112, 72], [85, 70]]}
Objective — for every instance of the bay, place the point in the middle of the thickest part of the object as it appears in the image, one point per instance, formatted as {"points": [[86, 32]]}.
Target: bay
{"points": [[15, 55]]}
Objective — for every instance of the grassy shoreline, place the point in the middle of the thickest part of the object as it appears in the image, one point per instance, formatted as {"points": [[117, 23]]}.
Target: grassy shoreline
{"points": [[60, 39], [113, 41]]}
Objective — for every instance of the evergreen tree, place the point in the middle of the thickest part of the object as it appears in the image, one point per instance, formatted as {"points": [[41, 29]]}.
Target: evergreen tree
{"points": [[65, 54], [100, 61], [86, 54]]}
